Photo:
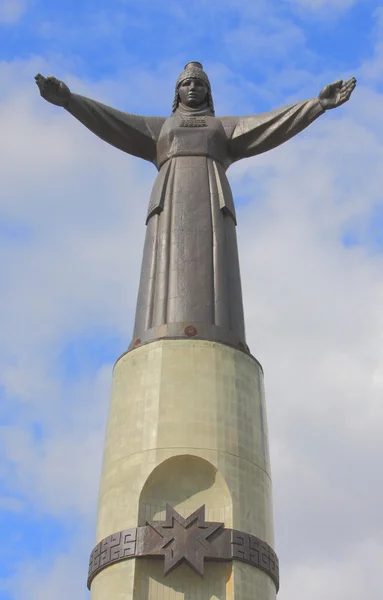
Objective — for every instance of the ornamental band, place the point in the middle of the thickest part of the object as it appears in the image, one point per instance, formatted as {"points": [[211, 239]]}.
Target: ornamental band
{"points": [[185, 492]]}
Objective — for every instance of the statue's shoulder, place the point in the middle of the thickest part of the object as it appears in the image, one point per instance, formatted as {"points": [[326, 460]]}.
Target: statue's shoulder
{"points": [[229, 124]]}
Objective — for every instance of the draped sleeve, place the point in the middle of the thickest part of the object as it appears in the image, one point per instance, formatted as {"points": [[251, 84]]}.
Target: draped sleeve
{"points": [[134, 134], [255, 134]]}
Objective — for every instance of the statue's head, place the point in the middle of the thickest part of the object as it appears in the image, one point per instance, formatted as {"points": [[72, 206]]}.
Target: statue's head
{"points": [[193, 88]]}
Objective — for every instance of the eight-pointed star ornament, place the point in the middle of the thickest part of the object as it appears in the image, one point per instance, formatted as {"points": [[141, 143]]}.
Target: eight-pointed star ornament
{"points": [[184, 540]]}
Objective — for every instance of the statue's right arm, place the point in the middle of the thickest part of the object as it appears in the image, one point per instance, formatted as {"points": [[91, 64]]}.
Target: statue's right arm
{"points": [[134, 134]]}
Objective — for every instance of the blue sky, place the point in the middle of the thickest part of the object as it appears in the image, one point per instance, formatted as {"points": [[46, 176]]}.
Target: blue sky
{"points": [[72, 212], [105, 38]]}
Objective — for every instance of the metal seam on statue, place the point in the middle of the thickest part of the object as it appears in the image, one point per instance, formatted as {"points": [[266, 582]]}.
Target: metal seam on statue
{"points": [[167, 159], [143, 542], [214, 333]]}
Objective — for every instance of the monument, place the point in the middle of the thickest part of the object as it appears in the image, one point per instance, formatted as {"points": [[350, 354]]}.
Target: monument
{"points": [[185, 507]]}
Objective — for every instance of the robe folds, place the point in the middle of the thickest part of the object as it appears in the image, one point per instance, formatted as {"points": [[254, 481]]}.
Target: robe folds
{"points": [[190, 279]]}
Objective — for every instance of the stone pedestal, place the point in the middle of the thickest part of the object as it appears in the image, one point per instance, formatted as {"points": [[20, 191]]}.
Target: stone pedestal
{"points": [[187, 427]]}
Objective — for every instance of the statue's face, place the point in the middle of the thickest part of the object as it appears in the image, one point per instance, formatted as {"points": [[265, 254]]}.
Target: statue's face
{"points": [[193, 92]]}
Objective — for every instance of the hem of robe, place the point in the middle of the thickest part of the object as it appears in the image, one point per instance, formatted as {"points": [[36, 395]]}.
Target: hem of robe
{"points": [[189, 330]]}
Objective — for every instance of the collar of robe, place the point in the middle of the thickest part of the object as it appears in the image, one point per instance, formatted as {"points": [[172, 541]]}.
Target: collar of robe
{"points": [[187, 111]]}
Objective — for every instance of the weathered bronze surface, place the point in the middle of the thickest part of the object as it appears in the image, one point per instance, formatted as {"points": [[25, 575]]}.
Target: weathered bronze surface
{"points": [[112, 549], [184, 540], [190, 269], [178, 540], [252, 550]]}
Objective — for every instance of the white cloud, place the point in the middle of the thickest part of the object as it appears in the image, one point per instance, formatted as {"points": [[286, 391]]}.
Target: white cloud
{"points": [[61, 577], [329, 5], [351, 578], [12, 10], [10, 504], [59, 473], [372, 69], [256, 39]]}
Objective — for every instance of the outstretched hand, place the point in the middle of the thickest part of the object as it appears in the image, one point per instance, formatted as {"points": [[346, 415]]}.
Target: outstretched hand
{"points": [[337, 93], [53, 90]]}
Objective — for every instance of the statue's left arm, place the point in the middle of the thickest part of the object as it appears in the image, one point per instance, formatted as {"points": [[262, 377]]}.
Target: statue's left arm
{"points": [[255, 134]]}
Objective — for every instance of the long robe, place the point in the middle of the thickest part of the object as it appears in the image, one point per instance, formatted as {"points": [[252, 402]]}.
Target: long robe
{"points": [[190, 279]]}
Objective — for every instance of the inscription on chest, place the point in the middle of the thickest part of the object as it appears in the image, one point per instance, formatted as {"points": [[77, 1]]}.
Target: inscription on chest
{"points": [[194, 122]]}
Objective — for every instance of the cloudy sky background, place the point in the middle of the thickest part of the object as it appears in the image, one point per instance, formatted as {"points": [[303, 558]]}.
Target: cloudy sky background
{"points": [[72, 212]]}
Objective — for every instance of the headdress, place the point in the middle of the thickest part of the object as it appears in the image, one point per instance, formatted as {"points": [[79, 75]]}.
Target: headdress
{"points": [[193, 70]]}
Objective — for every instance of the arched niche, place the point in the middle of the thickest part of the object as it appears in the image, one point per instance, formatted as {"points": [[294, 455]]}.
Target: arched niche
{"points": [[186, 482]]}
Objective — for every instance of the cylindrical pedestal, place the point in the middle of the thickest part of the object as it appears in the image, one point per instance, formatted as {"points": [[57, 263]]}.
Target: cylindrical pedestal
{"points": [[187, 427]]}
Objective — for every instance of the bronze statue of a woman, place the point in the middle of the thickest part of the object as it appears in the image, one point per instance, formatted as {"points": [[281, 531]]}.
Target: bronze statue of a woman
{"points": [[190, 280]]}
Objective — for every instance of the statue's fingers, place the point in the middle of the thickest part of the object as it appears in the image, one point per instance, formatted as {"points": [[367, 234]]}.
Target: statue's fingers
{"points": [[344, 97], [350, 83], [41, 84], [39, 79], [346, 92]]}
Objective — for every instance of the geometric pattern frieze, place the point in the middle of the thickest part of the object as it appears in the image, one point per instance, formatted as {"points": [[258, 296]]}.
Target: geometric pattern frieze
{"points": [[191, 540], [252, 550]]}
